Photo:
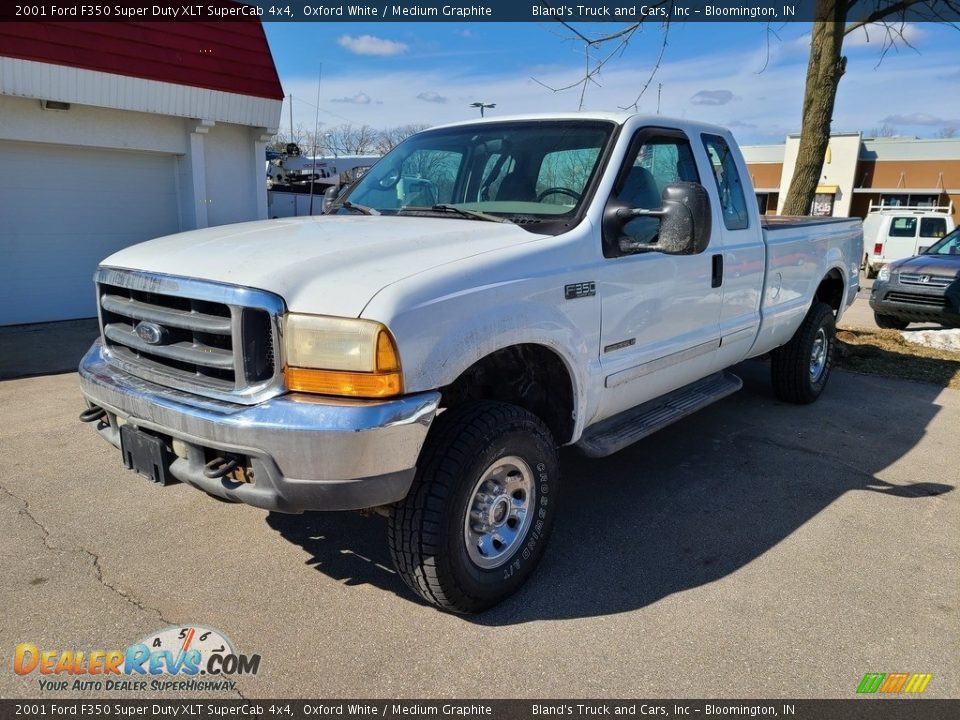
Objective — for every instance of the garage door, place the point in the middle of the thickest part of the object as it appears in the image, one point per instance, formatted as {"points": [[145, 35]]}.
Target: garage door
{"points": [[62, 210]]}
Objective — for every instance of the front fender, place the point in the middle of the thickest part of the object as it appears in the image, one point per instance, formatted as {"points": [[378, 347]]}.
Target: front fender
{"points": [[439, 361]]}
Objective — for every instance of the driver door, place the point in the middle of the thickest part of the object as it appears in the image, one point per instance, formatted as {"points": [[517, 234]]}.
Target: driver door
{"points": [[659, 313]]}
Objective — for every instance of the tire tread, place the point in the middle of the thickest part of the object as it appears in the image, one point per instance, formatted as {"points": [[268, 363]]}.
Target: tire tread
{"points": [[415, 529], [789, 364]]}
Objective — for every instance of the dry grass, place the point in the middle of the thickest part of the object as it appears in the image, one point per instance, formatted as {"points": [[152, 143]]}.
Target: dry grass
{"points": [[886, 353]]}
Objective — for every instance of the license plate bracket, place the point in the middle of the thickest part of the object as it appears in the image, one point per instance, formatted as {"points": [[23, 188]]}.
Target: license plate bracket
{"points": [[146, 454]]}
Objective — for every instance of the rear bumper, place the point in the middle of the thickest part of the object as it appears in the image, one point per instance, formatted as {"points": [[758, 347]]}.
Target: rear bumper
{"points": [[306, 452]]}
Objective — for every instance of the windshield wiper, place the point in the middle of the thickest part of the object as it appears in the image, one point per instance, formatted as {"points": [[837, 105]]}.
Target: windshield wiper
{"points": [[462, 212], [362, 209]]}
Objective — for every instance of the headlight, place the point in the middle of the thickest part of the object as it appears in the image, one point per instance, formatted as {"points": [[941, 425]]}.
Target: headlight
{"points": [[340, 356], [884, 274]]}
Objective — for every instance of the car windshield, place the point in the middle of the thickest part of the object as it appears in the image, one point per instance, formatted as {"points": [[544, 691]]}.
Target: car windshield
{"points": [[947, 245], [527, 171]]}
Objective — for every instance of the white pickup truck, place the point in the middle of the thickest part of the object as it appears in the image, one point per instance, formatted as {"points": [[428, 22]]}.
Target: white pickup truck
{"points": [[581, 279]]}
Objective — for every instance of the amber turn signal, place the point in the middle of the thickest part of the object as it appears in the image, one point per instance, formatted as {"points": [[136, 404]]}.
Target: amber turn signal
{"points": [[344, 384]]}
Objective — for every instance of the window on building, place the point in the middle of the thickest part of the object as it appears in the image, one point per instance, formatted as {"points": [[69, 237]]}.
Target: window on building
{"points": [[762, 200], [923, 200], [907, 200]]}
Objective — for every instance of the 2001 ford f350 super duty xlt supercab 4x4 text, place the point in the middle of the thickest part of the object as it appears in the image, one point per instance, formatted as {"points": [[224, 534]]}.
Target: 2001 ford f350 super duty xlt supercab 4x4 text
{"points": [[487, 292]]}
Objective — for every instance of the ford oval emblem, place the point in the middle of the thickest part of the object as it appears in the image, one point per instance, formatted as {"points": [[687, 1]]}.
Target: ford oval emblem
{"points": [[149, 332]]}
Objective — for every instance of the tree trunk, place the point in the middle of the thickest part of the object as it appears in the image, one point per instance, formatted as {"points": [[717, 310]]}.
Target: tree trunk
{"points": [[824, 71]]}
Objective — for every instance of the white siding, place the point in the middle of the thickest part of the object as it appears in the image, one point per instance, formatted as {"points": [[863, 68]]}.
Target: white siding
{"points": [[232, 182], [27, 78]]}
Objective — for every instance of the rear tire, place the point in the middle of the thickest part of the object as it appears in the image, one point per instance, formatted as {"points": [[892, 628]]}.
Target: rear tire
{"points": [[476, 520], [889, 322], [800, 369], [870, 272]]}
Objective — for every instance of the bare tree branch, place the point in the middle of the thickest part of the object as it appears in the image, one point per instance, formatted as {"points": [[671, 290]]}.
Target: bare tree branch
{"points": [[618, 40], [884, 10], [656, 67], [766, 60]]}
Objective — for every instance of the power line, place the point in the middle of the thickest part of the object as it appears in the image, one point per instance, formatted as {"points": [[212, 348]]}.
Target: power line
{"points": [[328, 112]]}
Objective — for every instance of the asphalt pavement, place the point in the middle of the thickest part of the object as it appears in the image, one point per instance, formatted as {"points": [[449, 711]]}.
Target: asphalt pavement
{"points": [[754, 549]]}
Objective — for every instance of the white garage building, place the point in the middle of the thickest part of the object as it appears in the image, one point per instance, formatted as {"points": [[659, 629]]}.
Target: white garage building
{"points": [[111, 134]]}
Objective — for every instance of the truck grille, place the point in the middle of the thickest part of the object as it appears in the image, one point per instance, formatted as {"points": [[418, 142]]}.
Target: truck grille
{"points": [[209, 338], [917, 299], [936, 281]]}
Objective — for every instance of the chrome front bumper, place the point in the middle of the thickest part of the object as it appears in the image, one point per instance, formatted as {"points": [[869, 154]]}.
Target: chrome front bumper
{"points": [[306, 452]]}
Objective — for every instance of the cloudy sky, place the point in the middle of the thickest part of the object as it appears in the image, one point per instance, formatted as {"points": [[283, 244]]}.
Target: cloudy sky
{"points": [[743, 75]]}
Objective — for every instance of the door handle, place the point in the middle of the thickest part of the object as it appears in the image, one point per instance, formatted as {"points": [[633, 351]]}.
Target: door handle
{"points": [[717, 280]]}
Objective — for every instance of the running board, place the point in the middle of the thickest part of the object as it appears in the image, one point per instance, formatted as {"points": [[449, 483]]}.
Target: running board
{"points": [[616, 433]]}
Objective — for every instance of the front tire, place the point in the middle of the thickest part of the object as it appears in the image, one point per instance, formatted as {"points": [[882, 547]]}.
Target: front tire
{"points": [[476, 520], [800, 369], [889, 322]]}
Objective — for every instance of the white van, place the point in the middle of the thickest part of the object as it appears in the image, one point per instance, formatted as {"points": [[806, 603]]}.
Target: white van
{"points": [[892, 233]]}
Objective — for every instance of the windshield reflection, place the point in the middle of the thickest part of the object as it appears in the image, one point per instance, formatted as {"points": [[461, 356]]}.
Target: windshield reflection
{"points": [[518, 171]]}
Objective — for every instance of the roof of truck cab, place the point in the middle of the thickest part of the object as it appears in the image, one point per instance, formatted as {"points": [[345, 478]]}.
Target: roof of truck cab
{"points": [[620, 118]]}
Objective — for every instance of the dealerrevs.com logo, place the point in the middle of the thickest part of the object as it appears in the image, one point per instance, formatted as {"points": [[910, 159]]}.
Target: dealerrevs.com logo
{"points": [[192, 658]]}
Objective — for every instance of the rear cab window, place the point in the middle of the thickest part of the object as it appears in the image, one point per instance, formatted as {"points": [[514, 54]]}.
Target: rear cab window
{"points": [[729, 185]]}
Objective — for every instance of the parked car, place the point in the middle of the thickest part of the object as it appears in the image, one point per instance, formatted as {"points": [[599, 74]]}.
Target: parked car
{"points": [[901, 232], [581, 279], [925, 288]]}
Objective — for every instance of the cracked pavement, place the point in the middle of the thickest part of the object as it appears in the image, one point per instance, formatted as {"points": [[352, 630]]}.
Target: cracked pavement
{"points": [[754, 549]]}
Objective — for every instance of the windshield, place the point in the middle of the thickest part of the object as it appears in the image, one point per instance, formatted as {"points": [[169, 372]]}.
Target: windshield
{"points": [[948, 245], [526, 171]]}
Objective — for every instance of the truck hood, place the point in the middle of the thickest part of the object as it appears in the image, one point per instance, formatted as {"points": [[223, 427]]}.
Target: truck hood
{"points": [[331, 265], [929, 265]]}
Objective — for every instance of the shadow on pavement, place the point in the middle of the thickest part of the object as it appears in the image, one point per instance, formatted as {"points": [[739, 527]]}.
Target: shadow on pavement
{"points": [[684, 507], [45, 348]]}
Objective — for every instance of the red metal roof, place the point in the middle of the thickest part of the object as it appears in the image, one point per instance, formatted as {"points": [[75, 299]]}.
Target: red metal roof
{"points": [[229, 56]]}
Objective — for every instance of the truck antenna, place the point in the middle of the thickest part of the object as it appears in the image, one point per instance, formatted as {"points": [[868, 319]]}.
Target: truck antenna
{"points": [[316, 132]]}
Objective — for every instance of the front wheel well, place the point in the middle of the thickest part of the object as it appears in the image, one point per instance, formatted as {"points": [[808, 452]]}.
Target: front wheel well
{"points": [[531, 376]]}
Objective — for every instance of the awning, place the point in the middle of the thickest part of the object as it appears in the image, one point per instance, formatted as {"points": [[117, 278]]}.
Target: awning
{"points": [[828, 189]]}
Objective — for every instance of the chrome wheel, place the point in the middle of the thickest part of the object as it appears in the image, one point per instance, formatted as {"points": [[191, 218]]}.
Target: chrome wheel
{"points": [[818, 356], [499, 512]]}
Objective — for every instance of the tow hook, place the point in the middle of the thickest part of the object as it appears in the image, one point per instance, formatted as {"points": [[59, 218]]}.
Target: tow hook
{"points": [[219, 467], [92, 414]]}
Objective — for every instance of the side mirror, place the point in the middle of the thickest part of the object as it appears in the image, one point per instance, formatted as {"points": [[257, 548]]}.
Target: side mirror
{"points": [[329, 195], [685, 222]]}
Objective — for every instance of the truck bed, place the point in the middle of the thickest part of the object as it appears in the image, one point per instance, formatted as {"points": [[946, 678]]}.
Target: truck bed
{"points": [[799, 251], [775, 222]]}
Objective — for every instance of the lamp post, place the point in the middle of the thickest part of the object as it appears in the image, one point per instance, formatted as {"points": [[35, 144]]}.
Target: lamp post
{"points": [[482, 105]]}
